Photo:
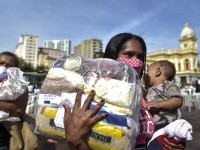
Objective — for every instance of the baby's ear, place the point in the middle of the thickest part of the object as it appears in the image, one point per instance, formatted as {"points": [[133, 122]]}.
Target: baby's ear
{"points": [[158, 72]]}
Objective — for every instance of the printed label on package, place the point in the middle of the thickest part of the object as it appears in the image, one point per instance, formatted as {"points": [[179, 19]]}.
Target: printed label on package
{"points": [[100, 137]]}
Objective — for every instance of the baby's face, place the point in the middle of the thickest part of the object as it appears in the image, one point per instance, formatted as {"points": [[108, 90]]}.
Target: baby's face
{"points": [[150, 75]]}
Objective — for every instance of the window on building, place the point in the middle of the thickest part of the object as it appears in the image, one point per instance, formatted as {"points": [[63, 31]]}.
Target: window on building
{"points": [[179, 66], [51, 45], [185, 45], [187, 64], [60, 45], [194, 63]]}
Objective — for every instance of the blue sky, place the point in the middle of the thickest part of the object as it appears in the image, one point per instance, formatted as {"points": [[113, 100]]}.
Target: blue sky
{"points": [[159, 22]]}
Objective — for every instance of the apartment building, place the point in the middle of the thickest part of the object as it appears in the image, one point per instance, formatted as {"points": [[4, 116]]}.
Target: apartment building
{"points": [[64, 45], [27, 49], [89, 47], [47, 56]]}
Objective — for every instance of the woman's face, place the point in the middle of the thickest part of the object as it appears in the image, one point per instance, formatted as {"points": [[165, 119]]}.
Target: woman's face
{"points": [[7, 61], [132, 49]]}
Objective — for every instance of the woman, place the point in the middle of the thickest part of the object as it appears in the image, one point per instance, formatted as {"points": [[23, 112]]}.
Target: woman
{"points": [[15, 108], [124, 47]]}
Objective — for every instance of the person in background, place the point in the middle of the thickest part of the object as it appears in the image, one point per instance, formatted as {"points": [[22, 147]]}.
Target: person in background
{"points": [[30, 89], [125, 47], [15, 108], [37, 91], [7, 60], [163, 96], [197, 85], [98, 55]]}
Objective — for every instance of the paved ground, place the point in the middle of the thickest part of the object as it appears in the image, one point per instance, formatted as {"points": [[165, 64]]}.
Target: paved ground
{"points": [[193, 118]]}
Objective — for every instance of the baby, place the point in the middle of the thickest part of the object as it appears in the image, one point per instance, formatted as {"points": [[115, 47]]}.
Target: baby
{"points": [[163, 96], [163, 100]]}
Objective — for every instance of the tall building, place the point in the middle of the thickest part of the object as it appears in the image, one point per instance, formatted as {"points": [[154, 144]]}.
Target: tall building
{"points": [[27, 49], [89, 47], [185, 58], [47, 56], [64, 45]]}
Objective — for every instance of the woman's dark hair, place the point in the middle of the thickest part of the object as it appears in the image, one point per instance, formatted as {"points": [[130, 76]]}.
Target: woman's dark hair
{"points": [[15, 58], [116, 43]]}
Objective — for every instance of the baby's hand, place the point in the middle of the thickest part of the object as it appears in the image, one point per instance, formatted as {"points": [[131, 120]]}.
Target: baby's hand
{"points": [[153, 105]]}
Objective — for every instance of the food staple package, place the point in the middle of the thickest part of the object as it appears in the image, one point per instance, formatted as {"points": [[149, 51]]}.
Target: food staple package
{"points": [[115, 82], [11, 88]]}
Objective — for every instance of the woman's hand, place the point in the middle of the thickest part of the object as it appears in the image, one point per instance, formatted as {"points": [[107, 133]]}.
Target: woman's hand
{"points": [[79, 122], [172, 146]]}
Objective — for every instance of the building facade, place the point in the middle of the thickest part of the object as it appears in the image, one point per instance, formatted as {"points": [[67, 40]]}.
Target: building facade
{"points": [[185, 58], [64, 45], [47, 56], [27, 49], [87, 48]]}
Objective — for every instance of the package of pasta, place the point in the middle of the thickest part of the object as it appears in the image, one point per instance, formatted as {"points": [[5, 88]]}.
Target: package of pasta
{"points": [[114, 81]]}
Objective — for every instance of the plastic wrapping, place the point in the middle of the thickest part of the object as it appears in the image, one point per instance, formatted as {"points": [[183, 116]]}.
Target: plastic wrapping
{"points": [[114, 81], [11, 88]]}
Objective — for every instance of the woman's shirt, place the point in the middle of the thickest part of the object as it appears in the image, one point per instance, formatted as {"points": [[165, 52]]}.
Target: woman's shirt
{"points": [[146, 127]]}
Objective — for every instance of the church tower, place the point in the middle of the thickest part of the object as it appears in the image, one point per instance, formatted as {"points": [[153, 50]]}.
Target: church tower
{"points": [[184, 58], [188, 38]]}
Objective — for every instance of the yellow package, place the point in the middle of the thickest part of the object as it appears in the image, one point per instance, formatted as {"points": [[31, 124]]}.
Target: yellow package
{"points": [[107, 137], [45, 123]]}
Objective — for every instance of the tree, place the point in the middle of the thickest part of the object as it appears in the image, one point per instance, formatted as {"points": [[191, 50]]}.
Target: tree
{"points": [[24, 66], [41, 69]]}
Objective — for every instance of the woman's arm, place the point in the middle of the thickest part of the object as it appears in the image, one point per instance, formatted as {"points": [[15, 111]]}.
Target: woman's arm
{"points": [[79, 122], [16, 107]]}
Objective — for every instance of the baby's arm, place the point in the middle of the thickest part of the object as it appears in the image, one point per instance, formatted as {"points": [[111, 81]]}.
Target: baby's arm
{"points": [[173, 102], [16, 107], [170, 104]]}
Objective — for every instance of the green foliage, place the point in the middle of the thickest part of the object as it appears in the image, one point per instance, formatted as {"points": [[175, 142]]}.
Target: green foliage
{"points": [[41, 69], [24, 66], [27, 67]]}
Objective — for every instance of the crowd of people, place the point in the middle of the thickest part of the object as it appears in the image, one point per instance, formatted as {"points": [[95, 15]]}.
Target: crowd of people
{"points": [[160, 100]]}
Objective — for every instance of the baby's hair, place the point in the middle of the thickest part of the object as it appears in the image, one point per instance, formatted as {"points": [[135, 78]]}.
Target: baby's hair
{"points": [[168, 68]]}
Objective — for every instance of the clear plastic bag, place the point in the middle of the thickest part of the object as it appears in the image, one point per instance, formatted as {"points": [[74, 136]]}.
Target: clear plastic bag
{"points": [[14, 85], [112, 80], [11, 88]]}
